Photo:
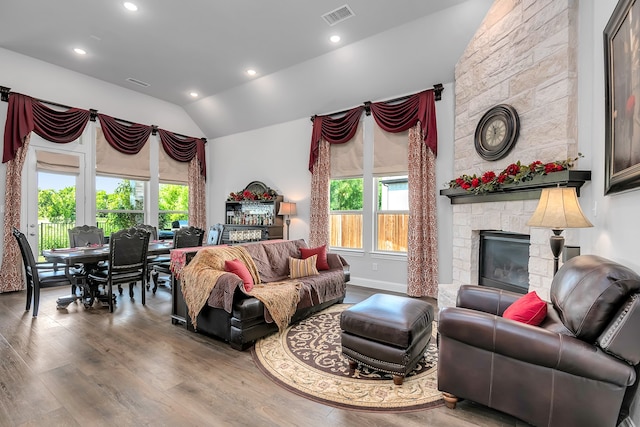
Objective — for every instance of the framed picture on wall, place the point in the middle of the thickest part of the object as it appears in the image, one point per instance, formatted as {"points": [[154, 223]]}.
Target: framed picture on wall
{"points": [[622, 95]]}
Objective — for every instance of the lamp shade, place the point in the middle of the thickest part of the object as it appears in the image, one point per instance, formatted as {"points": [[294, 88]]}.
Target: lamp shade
{"points": [[287, 208], [558, 209]]}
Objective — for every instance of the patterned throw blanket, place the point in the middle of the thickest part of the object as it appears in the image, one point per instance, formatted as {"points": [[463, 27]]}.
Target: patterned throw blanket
{"points": [[200, 276]]}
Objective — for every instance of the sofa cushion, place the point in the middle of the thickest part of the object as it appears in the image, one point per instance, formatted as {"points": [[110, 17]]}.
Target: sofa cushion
{"points": [[588, 291], [321, 251], [238, 268], [529, 309], [272, 257], [303, 267]]}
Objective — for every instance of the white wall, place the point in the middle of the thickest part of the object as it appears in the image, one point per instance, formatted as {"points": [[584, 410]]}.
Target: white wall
{"points": [[279, 156], [276, 155], [615, 233]]}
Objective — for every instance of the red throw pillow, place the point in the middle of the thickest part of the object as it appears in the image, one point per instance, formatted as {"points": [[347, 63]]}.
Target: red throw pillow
{"points": [[321, 251], [529, 309], [238, 268]]}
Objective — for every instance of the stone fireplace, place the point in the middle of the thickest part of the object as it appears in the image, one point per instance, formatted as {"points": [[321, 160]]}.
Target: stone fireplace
{"points": [[524, 54]]}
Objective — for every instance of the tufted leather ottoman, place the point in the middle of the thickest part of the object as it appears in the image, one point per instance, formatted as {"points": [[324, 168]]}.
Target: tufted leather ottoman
{"points": [[387, 332]]}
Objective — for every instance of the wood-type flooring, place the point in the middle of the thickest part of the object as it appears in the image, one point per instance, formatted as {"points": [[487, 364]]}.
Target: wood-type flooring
{"points": [[133, 367]]}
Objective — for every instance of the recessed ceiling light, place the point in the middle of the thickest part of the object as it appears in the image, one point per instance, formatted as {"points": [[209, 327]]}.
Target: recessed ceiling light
{"points": [[334, 39], [130, 6], [193, 94], [80, 51], [251, 72]]}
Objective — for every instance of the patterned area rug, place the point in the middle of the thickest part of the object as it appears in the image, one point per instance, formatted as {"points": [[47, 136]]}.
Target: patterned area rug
{"points": [[307, 360]]}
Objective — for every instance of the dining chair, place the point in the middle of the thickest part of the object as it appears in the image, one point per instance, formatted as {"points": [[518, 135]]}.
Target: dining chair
{"points": [[36, 274], [85, 235], [127, 263], [214, 237], [152, 259], [185, 237]]}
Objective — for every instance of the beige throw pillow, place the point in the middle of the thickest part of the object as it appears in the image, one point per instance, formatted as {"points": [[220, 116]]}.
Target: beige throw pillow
{"points": [[302, 267]]}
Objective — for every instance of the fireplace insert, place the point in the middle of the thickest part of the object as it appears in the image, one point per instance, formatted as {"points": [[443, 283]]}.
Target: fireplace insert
{"points": [[504, 261]]}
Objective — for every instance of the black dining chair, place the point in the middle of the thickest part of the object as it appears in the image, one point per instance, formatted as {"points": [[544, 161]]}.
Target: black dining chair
{"points": [[127, 264], [81, 236], [185, 237], [152, 259], [37, 274], [85, 235]]}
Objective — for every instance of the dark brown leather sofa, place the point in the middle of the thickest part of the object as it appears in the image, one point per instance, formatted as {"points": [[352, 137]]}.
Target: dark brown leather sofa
{"points": [[578, 368], [240, 320]]}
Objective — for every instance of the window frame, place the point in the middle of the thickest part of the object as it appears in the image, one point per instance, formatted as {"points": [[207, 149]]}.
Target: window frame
{"points": [[377, 211], [335, 212], [172, 211]]}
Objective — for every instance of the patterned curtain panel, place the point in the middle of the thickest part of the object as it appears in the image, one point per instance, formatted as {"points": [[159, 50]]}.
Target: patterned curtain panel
{"points": [[319, 232], [197, 196], [11, 271], [422, 254]]}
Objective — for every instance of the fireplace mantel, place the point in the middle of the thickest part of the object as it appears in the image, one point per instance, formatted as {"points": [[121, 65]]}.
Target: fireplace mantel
{"points": [[528, 190]]}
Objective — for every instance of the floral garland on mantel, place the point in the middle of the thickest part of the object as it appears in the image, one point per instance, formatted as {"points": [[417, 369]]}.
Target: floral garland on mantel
{"points": [[512, 174]]}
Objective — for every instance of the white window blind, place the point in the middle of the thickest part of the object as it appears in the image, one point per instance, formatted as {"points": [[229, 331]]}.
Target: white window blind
{"points": [[57, 162], [346, 159], [111, 162], [389, 152]]}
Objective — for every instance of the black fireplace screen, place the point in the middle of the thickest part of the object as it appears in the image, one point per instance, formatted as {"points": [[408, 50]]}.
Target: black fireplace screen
{"points": [[504, 261]]}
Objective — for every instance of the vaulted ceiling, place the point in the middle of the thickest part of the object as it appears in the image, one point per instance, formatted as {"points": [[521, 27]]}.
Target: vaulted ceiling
{"points": [[206, 46]]}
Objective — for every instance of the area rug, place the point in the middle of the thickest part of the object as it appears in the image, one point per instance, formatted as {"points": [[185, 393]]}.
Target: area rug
{"points": [[307, 359]]}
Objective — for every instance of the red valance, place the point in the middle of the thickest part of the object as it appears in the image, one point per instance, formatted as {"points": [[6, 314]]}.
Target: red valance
{"points": [[184, 149], [26, 114], [390, 116], [127, 139], [334, 130], [398, 117]]}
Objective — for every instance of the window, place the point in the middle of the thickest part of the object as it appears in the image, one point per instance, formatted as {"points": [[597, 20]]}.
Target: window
{"points": [[369, 190], [173, 206], [346, 213], [392, 213], [119, 203]]}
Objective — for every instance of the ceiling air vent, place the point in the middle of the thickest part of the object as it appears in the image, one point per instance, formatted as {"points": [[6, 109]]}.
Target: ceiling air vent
{"points": [[338, 15], [138, 82]]}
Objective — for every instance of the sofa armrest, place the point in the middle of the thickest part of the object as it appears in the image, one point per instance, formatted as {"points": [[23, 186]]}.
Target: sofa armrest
{"points": [[533, 345], [336, 261], [486, 299]]}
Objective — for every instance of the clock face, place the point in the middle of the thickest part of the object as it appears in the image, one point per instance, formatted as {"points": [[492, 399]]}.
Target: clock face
{"points": [[497, 132]]}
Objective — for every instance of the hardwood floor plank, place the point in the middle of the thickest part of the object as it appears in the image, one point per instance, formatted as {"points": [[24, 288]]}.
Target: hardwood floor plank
{"points": [[133, 367]]}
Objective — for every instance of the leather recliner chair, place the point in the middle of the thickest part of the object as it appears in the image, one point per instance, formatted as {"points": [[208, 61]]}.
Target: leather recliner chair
{"points": [[577, 368]]}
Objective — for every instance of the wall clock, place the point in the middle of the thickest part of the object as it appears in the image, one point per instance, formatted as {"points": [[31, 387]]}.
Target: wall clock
{"points": [[497, 132]]}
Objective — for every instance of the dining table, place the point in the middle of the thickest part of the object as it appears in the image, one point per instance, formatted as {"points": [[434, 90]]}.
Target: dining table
{"points": [[89, 257]]}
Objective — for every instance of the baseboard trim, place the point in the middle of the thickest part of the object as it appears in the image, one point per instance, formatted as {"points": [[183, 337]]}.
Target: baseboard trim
{"points": [[400, 288]]}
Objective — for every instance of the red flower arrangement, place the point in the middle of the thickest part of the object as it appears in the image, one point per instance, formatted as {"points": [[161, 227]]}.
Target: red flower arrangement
{"points": [[514, 173], [246, 195]]}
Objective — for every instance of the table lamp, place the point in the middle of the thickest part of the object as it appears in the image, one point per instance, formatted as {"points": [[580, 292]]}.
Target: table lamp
{"points": [[287, 209], [558, 209]]}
